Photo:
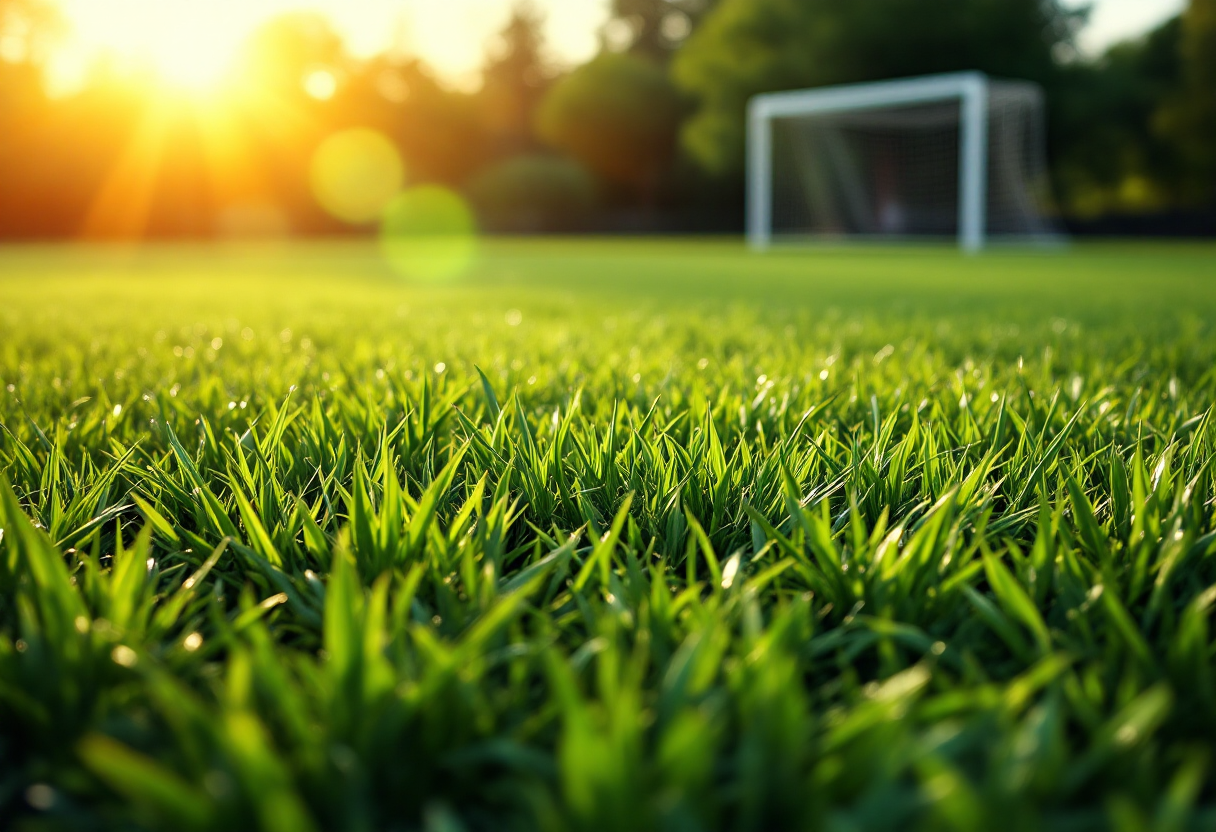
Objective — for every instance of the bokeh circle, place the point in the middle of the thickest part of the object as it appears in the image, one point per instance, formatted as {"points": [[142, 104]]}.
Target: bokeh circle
{"points": [[355, 174], [429, 233]]}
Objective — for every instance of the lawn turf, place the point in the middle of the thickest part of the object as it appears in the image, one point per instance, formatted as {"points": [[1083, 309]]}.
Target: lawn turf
{"points": [[608, 535]]}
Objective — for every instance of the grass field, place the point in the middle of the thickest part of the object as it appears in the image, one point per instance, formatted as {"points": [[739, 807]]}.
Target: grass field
{"points": [[608, 536]]}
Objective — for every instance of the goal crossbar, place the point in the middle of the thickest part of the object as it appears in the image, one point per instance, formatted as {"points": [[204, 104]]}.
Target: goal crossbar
{"points": [[971, 89]]}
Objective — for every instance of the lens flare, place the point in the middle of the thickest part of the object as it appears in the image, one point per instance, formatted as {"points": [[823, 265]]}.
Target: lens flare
{"points": [[355, 175], [429, 233]]}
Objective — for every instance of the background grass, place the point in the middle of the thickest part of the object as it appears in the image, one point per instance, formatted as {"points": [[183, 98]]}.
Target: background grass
{"points": [[610, 535]]}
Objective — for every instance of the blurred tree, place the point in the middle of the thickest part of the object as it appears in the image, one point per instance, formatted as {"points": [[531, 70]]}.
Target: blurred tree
{"points": [[289, 52], [28, 29], [441, 133], [619, 115], [744, 47], [49, 173], [1110, 154], [515, 78], [652, 28], [1189, 119]]}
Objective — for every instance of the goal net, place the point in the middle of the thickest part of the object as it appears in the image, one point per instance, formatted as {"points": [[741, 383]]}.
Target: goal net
{"points": [[949, 156]]}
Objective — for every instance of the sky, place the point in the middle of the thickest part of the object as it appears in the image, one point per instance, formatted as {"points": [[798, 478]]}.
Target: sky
{"points": [[1114, 20], [191, 41]]}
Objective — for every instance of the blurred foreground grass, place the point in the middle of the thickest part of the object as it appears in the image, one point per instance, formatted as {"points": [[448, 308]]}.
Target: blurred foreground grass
{"points": [[849, 539]]}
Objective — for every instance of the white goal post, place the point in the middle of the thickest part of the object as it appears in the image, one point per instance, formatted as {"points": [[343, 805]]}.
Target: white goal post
{"points": [[955, 155]]}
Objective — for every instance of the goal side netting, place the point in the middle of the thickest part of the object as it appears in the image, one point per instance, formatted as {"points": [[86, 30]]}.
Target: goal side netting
{"points": [[951, 157]]}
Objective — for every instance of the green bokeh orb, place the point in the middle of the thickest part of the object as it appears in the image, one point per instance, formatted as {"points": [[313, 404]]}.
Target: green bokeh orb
{"points": [[355, 174], [429, 233]]}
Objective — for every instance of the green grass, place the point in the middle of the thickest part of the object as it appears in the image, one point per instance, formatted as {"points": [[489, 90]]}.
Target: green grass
{"points": [[841, 540]]}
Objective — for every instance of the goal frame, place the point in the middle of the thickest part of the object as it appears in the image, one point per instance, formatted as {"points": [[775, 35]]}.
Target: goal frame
{"points": [[971, 89]]}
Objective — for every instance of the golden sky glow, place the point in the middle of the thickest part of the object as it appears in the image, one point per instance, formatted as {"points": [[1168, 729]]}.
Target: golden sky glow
{"points": [[192, 43]]}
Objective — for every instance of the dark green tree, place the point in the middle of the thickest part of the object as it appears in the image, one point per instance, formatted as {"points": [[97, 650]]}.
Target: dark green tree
{"points": [[1190, 118], [1111, 153], [619, 115], [744, 47]]}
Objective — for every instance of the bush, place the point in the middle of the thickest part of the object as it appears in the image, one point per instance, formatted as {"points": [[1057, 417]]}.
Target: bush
{"points": [[536, 193]]}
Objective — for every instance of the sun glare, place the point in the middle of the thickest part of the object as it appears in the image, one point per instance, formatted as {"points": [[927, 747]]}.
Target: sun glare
{"points": [[186, 43], [194, 63]]}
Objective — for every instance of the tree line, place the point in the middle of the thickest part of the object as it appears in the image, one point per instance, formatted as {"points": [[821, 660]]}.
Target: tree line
{"points": [[647, 134]]}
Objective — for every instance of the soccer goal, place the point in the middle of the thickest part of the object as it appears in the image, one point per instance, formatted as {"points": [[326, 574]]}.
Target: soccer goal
{"points": [[946, 156]]}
